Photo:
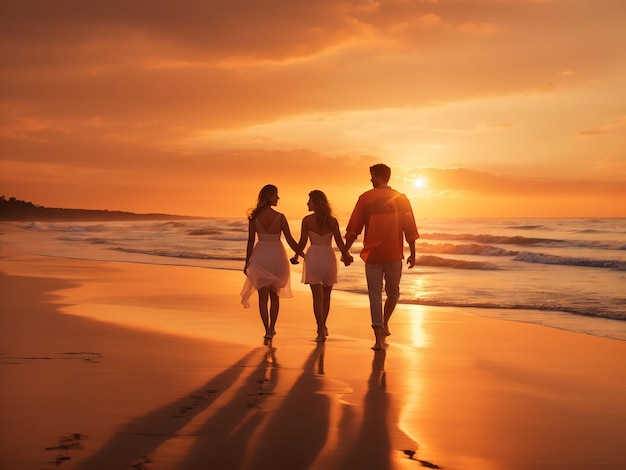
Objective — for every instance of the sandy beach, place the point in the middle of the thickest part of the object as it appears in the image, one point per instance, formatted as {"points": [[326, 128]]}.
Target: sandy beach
{"points": [[130, 366]]}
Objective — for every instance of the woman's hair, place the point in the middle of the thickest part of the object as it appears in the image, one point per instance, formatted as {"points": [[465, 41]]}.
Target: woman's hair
{"points": [[321, 208], [263, 201]]}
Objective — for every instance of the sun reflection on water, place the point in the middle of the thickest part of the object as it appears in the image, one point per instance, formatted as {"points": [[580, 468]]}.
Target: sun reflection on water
{"points": [[417, 340]]}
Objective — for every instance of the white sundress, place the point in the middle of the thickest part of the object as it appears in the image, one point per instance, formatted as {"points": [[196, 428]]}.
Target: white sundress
{"points": [[320, 262], [268, 266]]}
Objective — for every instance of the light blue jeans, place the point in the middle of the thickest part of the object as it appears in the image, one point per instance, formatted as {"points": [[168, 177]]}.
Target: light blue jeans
{"points": [[375, 274]]}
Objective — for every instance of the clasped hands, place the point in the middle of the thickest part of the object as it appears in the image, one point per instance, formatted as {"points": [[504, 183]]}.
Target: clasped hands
{"points": [[346, 259]]}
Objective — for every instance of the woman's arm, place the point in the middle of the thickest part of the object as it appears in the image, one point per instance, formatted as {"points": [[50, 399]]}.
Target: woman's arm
{"points": [[250, 246], [304, 236], [284, 226], [343, 248]]}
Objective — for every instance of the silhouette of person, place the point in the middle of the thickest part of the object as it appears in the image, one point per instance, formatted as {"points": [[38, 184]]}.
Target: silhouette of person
{"points": [[387, 217], [267, 268], [320, 263]]}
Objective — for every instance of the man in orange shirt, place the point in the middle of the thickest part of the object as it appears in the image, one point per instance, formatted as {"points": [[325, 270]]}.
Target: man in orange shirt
{"points": [[388, 218]]}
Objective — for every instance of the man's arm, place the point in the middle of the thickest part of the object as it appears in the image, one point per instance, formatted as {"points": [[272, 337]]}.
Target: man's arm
{"points": [[353, 229], [355, 223], [410, 261], [410, 231]]}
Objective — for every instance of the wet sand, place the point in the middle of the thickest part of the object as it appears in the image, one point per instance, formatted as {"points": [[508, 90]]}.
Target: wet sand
{"points": [[128, 366]]}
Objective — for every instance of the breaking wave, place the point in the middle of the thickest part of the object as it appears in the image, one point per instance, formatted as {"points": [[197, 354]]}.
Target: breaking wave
{"points": [[454, 263], [541, 258]]}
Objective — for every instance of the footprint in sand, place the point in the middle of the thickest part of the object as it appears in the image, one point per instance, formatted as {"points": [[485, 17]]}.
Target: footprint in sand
{"points": [[66, 444]]}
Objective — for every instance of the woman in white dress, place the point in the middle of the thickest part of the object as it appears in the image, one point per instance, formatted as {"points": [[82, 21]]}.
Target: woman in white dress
{"points": [[267, 267], [320, 262]]}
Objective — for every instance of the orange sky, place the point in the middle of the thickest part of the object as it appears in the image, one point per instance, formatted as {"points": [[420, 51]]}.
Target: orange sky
{"points": [[501, 107]]}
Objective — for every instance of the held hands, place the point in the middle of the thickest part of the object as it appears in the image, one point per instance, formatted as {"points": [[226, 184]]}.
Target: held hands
{"points": [[346, 258]]}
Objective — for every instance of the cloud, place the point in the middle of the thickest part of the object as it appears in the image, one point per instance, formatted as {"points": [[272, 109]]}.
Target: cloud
{"points": [[218, 65], [178, 94], [465, 181], [615, 126]]}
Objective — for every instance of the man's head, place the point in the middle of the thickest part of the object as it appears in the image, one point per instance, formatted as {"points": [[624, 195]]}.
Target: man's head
{"points": [[381, 174]]}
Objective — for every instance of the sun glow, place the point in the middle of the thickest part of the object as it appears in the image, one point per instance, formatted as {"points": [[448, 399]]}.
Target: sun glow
{"points": [[419, 183]]}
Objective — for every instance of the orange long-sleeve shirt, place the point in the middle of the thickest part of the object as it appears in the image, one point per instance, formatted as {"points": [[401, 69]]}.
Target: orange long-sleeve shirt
{"points": [[387, 217]]}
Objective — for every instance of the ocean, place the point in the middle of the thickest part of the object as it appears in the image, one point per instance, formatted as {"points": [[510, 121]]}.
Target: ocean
{"points": [[561, 273]]}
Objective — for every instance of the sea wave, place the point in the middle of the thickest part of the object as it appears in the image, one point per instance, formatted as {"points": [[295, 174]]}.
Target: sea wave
{"points": [[171, 223], [543, 258], [526, 227], [539, 307], [466, 249], [179, 254], [204, 231], [68, 228], [436, 261], [484, 238], [519, 240]]}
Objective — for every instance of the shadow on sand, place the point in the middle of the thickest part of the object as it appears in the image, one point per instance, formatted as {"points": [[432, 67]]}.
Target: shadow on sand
{"points": [[242, 434], [296, 433], [372, 446], [139, 438]]}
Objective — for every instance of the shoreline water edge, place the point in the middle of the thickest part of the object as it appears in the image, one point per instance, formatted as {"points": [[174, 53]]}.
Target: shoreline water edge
{"points": [[562, 273]]}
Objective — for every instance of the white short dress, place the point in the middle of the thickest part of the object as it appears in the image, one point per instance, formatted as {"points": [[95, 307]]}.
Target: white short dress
{"points": [[320, 262], [268, 266]]}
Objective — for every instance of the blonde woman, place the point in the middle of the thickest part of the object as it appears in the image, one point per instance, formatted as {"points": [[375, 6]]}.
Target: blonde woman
{"points": [[267, 268]]}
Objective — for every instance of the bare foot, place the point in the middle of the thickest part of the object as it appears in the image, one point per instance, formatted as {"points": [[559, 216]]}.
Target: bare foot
{"points": [[379, 346], [320, 339], [325, 331], [386, 331]]}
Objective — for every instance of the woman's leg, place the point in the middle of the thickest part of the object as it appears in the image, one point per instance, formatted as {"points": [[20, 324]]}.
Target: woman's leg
{"points": [[327, 291], [274, 306], [317, 291], [264, 293]]}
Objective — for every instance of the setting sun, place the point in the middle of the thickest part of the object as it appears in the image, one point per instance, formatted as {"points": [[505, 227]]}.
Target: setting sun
{"points": [[419, 183], [166, 102]]}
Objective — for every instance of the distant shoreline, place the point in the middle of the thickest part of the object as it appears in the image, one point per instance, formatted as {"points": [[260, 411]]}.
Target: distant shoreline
{"points": [[14, 210]]}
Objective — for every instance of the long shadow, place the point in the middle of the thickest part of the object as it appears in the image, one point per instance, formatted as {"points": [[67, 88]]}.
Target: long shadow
{"points": [[298, 430], [138, 438], [223, 439], [372, 447]]}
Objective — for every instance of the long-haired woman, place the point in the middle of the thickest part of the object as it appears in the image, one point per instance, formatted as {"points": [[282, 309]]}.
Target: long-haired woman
{"points": [[267, 267], [320, 262]]}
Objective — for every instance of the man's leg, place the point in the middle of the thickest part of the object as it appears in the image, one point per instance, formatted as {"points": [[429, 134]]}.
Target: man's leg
{"points": [[374, 276], [393, 273]]}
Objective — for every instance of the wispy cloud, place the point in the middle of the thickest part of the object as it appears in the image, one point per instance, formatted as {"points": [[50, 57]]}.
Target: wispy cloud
{"points": [[617, 125], [173, 94]]}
